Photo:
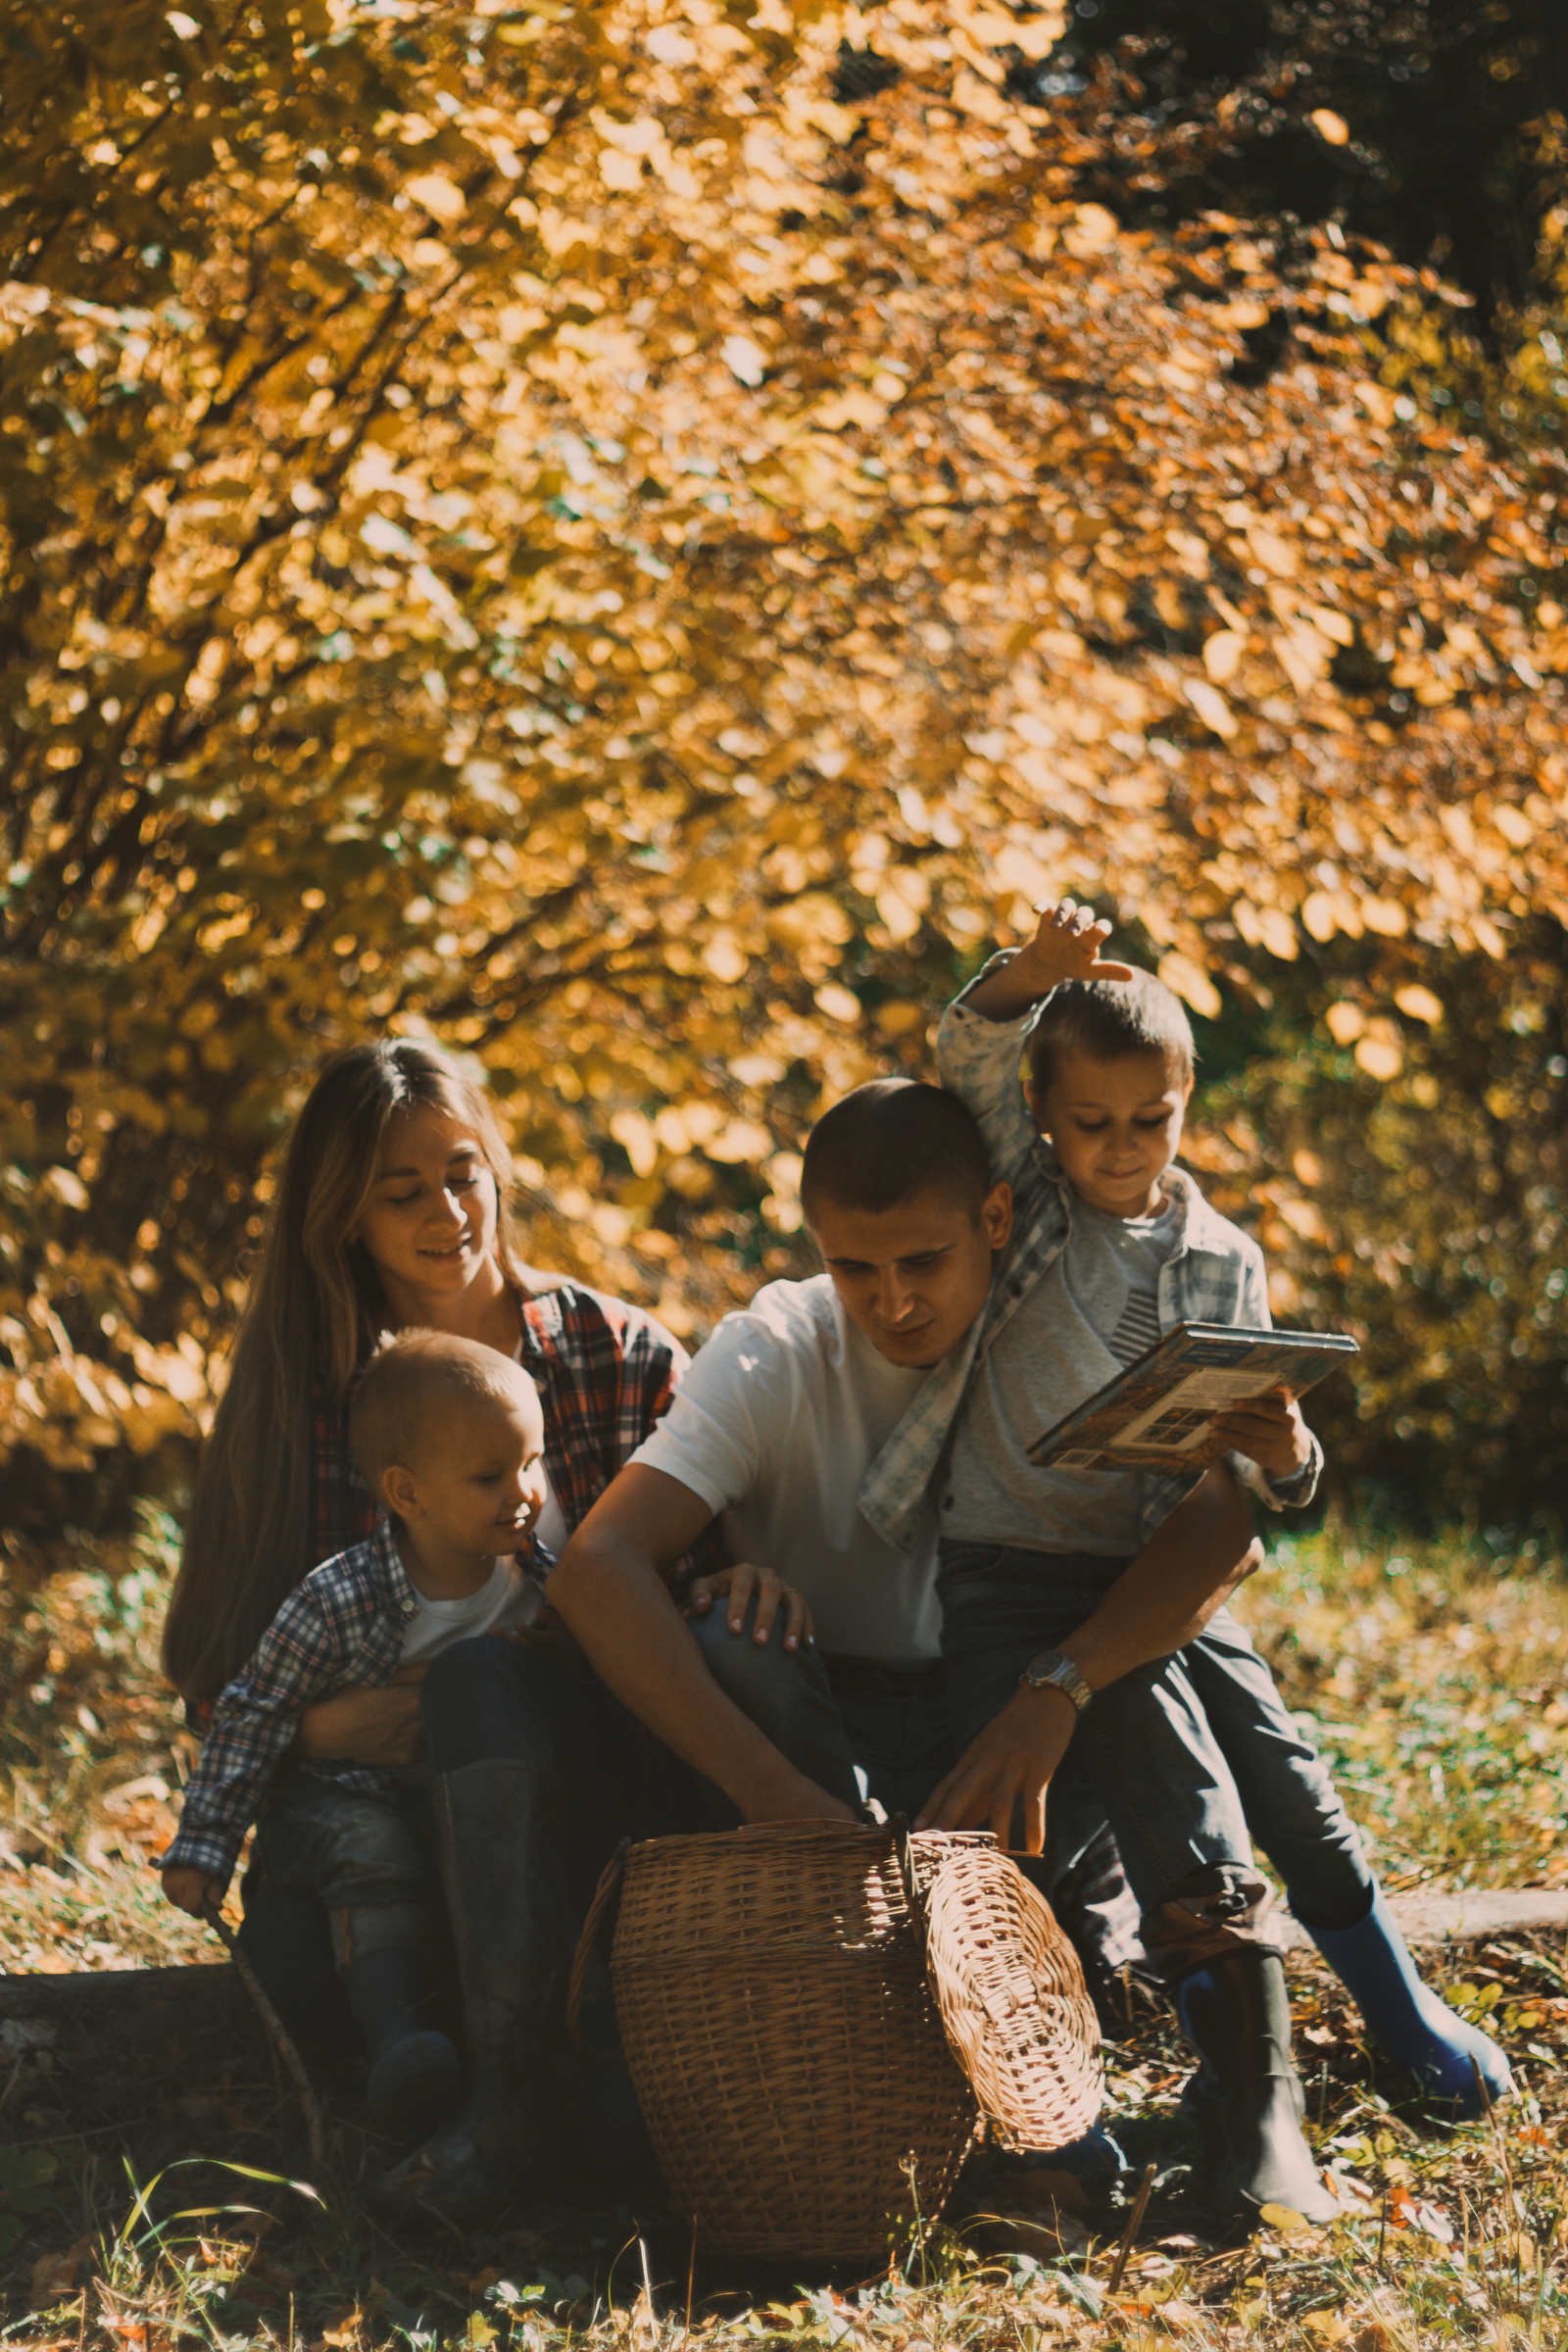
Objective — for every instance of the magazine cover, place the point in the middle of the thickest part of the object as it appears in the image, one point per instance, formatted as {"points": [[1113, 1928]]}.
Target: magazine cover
{"points": [[1156, 1414]]}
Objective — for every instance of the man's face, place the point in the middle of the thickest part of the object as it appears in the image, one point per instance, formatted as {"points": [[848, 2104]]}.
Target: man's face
{"points": [[914, 1278]]}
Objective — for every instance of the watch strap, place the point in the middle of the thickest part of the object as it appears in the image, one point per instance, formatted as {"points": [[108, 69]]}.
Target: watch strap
{"points": [[1050, 1670]]}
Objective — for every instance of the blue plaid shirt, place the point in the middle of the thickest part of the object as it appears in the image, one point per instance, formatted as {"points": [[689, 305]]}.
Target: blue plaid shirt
{"points": [[1213, 1275], [341, 1628]]}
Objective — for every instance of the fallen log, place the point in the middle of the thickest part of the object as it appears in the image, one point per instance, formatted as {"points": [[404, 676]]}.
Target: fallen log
{"points": [[209, 1995]]}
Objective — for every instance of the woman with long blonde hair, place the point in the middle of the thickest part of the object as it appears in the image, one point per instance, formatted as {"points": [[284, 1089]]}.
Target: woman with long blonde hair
{"points": [[391, 1213]]}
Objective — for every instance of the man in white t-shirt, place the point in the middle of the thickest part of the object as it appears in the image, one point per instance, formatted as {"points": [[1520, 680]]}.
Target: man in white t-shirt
{"points": [[777, 1426]]}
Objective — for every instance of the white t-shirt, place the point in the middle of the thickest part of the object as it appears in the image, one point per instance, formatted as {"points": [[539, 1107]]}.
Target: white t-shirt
{"points": [[510, 1596], [774, 1426]]}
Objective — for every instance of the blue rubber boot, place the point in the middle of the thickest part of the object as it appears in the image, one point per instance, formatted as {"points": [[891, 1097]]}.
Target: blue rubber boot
{"points": [[1410, 2023]]}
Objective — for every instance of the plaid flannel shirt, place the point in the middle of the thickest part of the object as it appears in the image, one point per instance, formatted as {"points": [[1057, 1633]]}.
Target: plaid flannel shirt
{"points": [[1213, 1275], [341, 1627], [605, 1373]]}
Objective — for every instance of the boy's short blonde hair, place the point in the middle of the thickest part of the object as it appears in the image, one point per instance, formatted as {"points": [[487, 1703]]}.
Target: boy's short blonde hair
{"points": [[1109, 1020], [410, 1383]]}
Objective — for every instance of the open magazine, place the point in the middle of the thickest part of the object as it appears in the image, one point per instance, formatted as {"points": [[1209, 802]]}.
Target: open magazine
{"points": [[1156, 1415]]}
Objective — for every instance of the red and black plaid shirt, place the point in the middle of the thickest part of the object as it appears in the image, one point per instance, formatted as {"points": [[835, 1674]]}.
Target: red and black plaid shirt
{"points": [[605, 1373]]}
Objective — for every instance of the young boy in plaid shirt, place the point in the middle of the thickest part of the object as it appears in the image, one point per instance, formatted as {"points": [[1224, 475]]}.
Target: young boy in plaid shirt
{"points": [[1191, 1753], [448, 1437]]}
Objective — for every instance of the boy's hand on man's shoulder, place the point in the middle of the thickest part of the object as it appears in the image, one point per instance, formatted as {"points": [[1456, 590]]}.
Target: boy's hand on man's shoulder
{"points": [[1270, 1431]]}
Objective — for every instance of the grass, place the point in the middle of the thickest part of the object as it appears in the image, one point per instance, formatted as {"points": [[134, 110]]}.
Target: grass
{"points": [[146, 2202]]}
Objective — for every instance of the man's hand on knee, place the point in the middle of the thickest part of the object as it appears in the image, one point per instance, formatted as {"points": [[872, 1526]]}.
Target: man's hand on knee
{"points": [[1011, 1763], [736, 1585]]}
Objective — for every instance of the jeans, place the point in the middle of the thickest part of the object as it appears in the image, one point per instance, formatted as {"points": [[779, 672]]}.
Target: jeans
{"points": [[1187, 1754], [353, 1847], [901, 1742]]}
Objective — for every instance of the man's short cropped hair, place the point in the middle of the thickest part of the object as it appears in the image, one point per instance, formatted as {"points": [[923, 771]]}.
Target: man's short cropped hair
{"points": [[1109, 1020], [410, 1384], [889, 1142]]}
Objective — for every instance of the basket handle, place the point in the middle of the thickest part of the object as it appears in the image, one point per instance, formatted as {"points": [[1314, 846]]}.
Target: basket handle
{"points": [[904, 1851], [604, 1894]]}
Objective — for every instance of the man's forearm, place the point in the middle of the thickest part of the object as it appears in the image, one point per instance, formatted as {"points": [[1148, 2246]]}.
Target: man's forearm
{"points": [[1188, 1568], [611, 1595]]}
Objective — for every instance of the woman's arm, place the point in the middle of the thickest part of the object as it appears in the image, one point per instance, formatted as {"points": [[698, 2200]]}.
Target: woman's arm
{"points": [[374, 1727]]}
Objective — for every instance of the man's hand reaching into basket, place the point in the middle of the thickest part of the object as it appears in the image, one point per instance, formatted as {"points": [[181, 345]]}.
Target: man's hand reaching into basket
{"points": [[1011, 1763]]}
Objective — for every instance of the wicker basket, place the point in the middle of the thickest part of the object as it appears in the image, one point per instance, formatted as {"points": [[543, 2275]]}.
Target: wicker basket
{"points": [[787, 2039]]}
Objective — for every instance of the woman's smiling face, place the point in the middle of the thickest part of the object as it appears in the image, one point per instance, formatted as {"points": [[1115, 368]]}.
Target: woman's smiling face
{"points": [[429, 1225]]}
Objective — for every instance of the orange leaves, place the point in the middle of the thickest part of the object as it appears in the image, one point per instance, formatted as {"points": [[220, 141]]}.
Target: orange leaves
{"points": [[618, 556]]}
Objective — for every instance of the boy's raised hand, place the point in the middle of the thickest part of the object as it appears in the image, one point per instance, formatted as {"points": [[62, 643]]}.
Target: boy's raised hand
{"points": [[1067, 946], [1269, 1431]]}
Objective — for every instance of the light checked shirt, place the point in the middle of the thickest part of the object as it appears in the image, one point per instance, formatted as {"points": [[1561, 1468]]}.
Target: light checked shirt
{"points": [[1214, 1274]]}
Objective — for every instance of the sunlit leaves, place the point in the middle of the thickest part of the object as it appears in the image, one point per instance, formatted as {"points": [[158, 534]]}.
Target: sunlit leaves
{"points": [[563, 531]]}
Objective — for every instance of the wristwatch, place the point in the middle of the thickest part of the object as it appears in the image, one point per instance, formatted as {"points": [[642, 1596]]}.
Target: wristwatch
{"points": [[1050, 1670]]}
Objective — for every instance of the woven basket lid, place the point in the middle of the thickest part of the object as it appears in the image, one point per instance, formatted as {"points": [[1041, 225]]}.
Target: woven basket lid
{"points": [[1012, 1999]]}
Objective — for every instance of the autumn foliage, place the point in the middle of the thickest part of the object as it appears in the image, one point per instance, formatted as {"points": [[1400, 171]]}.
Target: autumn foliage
{"points": [[638, 539]]}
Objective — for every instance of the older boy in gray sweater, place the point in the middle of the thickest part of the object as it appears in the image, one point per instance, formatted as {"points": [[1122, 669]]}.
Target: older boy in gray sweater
{"points": [[1195, 1753]]}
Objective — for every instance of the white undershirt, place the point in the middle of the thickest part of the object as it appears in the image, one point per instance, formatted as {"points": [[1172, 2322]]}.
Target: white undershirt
{"points": [[509, 1595]]}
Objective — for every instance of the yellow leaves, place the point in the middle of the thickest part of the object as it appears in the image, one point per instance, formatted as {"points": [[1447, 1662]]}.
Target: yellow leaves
{"points": [[1212, 707], [837, 123], [977, 98], [1303, 654], [855, 407], [745, 358], [1268, 927], [1419, 1002], [725, 958], [1222, 655], [741, 1142], [1090, 229], [1326, 911], [64, 1185], [1378, 1050], [810, 922], [1266, 547], [1332, 129], [1189, 982], [901, 900], [1327, 2327], [1305, 1220], [1346, 1022], [439, 195], [635, 1135]]}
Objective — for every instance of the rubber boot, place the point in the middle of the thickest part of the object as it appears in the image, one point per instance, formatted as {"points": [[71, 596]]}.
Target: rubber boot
{"points": [[415, 2074], [514, 1934], [1410, 2023], [1247, 2098]]}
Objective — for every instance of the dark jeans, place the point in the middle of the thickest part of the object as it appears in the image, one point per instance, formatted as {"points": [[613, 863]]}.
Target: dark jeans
{"points": [[1189, 1755]]}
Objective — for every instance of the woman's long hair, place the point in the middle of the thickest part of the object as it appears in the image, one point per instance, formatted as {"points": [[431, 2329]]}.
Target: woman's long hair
{"points": [[314, 1309]]}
